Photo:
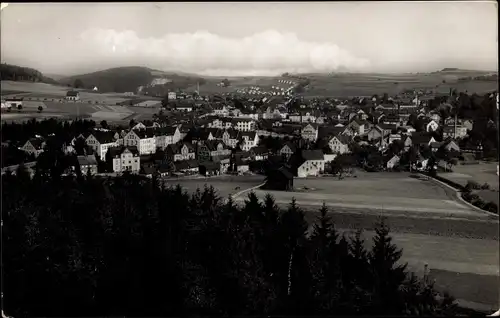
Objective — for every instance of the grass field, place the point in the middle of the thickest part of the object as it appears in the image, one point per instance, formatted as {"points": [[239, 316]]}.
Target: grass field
{"points": [[468, 268], [376, 193], [369, 84], [91, 105]]}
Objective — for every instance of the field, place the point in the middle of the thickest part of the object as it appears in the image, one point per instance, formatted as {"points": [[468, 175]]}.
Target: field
{"points": [[375, 193], [344, 85], [91, 105], [481, 173], [468, 268]]}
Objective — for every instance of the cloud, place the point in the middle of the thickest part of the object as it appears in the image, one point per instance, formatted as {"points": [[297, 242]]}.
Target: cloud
{"points": [[266, 53]]}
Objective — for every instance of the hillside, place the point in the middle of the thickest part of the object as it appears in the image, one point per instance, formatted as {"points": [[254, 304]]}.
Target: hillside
{"points": [[9, 72], [129, 79]]}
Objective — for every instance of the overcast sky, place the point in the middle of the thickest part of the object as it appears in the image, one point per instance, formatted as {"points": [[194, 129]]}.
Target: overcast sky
{"points": [[251, 38]]}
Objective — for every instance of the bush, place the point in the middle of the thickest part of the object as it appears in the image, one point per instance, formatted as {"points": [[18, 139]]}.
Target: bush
{"points": [[491, 207], [485, 186], [472, 185]]}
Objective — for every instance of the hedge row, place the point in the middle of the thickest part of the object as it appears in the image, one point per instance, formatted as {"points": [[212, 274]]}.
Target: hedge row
{"points": [[467, 195], [476, 201]]}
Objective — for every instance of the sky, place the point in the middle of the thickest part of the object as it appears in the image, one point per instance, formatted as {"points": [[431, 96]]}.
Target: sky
{"points": [[260, 38]]}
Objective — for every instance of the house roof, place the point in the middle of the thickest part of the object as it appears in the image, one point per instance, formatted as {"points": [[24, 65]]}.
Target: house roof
{"points": [[259, 150], [313, 155], [175, 149], [117, 151], [104, 137], [213, 144], [284, 171], [36, 142], [290, 145], [72, 93], [145, 133], [343, 139]]}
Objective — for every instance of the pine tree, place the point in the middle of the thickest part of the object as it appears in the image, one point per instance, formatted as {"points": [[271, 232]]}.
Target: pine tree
{"points": [[387, 274]]}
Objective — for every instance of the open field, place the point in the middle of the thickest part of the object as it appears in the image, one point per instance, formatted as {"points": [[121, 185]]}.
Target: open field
{"points": [[50, 97], [468, 268], [377, 193], [485, 172], [344, 85]]}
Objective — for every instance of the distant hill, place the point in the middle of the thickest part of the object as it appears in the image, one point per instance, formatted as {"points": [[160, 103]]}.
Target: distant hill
{"points": [[9, 72], [130, 79]]}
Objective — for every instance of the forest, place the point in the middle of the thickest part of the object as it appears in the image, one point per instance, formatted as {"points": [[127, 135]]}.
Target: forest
{"points": [[18, 73], [88, 246]]}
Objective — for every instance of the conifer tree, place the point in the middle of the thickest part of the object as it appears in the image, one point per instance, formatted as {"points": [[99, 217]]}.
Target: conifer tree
{"points": [[388, 275]]}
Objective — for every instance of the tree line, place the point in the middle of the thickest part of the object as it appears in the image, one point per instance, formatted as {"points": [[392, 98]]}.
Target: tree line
{"points": [[132, 246], [10, 72]]}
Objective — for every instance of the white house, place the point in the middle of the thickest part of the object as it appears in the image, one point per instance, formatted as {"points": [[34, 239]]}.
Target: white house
{"points": [[143, 139], [250, 140], [313, 163], [172, 96], [339, 144], [167, 136], [13, 102], [73, 95], [432, 126], [34, 146], [394, 161], [243, 124], [125, 159], [309, 132], [101, 141]]}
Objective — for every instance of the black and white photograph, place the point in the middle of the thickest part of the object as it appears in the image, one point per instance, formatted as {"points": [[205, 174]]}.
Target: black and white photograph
{"points": [[279, 159]]}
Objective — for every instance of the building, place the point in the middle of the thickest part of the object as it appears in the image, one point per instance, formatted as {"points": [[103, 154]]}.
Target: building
{"points": [[143, 139], [172, 95], [309, 132], [180, 152], [392, 162], [125, 159], [167, 136], [312, 163], [73, 95], [34, 146], [280, 179], [88, 164], [243, 124], [101, 141], [432, 125], [288, 149], [13, 102], [339, 144], [451, 132], [250, 140], [209, 149]]}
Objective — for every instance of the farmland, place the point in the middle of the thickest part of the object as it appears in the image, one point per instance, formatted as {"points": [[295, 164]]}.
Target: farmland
{"points": [[91, 105], [375, 193], [343, 85]]}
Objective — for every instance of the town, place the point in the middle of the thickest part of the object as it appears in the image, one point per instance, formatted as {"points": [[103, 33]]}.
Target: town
{"points": [[216, 135], [213, 159]]}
